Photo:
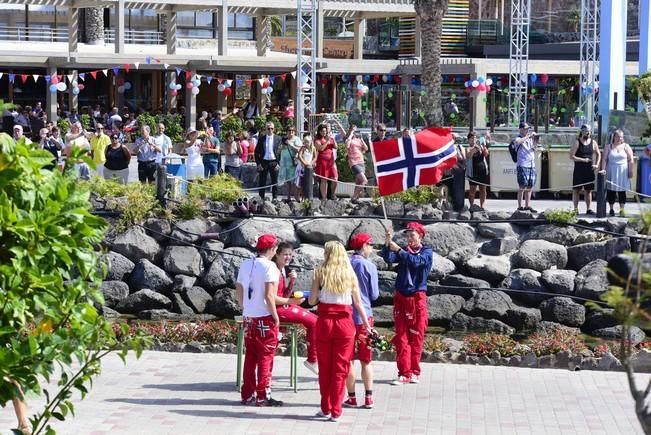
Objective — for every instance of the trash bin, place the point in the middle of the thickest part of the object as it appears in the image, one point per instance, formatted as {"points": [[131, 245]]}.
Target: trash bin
{"points": [[502, 170], [176, 171], [561, 169]]}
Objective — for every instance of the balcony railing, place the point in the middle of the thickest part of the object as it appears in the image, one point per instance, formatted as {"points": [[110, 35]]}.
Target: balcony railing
{"points": [[147, 37], [37, 34]]}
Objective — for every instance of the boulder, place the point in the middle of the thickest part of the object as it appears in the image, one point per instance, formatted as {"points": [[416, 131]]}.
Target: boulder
{"points": [[460, 285], [641, 361], [135, 244], [580, 255], [552, 233], [523, 318], [463, 322], [149, 276], [223, 271], [540, 255], [209, 250], [546, 326], [441, 308], [490, 268], [488, 304], [306, 258], [383, 316], [592, 280], [387, 285], [182, 283], [114, 292], [379, 261], [189, 231], [118, 266], [374, 227], [109, 313], [588, 236], [244, 233], [446, 237], [563, 310], [179, 305], [599, 320], [323, 230], [196, 298], [334, 207], [158, 229], [559, 281], [525, 279], [223, 304], [441, 267], [499, 215], [499, 246], [636, 335], [622, 266], [185, 260], [496, 230], [460, 256], [393, 208], [142, 300]]}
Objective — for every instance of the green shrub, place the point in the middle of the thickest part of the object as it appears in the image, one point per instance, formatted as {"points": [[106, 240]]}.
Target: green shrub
{"points": [[173, 127], [85, 121], [560, 215], [485, 344], [189, 207], [151, 121], [417, 195], [232, 124], [552, 342], [220, 188], [345, 174], [64, 126]]}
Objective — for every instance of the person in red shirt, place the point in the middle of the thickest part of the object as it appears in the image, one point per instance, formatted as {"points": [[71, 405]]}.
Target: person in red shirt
{"points": [[295, 313], [326, 165]]}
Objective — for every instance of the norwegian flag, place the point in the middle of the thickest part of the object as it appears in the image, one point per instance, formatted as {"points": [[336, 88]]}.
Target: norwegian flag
{"points": [[417, 160]]}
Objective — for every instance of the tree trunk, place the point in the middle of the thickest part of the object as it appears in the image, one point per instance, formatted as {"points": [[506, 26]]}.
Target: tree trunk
{"points": [[430, 13], [94, 26]]}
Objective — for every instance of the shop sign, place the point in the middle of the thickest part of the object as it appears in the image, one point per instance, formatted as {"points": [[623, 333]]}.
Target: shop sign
{"points": [[332, 48]]}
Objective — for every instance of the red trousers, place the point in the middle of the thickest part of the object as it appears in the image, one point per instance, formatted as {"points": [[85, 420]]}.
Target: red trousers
{"points": [[261, 340], [296, 314], [410, 316], [336, 344]]}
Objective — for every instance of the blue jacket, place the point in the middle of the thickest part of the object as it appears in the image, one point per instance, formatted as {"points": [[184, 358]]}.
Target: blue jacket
{"points": [[366, 273], [412, 268]]}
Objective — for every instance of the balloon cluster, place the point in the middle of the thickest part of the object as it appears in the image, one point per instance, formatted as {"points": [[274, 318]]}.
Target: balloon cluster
{"points": [[193, 85], [480, 84], [174, 88], [225, 87], [123, 86], [267, 89], [77, 87], [56, 85], [587, 89]]}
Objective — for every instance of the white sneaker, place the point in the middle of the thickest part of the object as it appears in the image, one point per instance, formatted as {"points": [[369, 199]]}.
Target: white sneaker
{"points": [[320, 414], [414, 379], [311, 367], [335, 419], [400, 380]]}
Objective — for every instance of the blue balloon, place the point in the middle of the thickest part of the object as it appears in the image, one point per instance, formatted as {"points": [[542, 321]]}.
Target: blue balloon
{"points": [[53, 88], [367, 77], [589, 89], [75, 91], [344, 78], [481, 79], [172, 86], [534, 77], [389, 78]]}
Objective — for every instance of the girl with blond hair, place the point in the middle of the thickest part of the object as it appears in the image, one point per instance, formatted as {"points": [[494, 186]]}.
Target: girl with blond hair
{"points": [[336, 290]]}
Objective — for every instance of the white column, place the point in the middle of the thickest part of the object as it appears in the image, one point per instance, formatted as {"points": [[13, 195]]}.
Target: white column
{"points": [[73, 100], [170, 77], [51, 97], [319, 30], [222, 14], [119, 27], [418, 52], [190, 104], [170, 32], [359, 30], [645, 35], [73, 29], [479, 105], [263, 34], [612, 57]]}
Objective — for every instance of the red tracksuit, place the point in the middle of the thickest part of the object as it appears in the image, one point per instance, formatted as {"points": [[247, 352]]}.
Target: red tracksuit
{"points": [[301, 316], [261, 340], [410, 315], [336, 345]]}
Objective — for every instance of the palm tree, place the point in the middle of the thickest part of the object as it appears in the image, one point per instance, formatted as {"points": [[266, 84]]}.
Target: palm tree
{"points": [[94, 26], [430, 13]]}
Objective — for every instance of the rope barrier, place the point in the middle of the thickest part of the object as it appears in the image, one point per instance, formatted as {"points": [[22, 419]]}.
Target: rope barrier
{"points": [[626, 189]]}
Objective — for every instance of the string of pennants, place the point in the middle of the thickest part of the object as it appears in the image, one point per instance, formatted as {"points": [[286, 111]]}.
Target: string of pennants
{"points": [[265, 83]]}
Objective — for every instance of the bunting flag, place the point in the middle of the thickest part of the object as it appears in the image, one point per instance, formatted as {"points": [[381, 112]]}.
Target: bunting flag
{"points": [[166, 65], [147, 60], [23, 78], [47, 78], [1, 74], [209, 79], [178, 70], [93, 74], [261, 81], [105, 71], [36, 76], [115, 70], [136, 64], [12, 77], [294, 74], [126, 68], [82, 76], [70, 77], [188, 75]]}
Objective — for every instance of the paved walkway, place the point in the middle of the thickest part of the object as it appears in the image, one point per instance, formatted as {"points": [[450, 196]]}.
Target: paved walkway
{"points": [[172, 393]]}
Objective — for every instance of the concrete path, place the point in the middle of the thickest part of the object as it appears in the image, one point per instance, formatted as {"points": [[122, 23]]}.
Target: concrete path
{"points": [[181, 393]]}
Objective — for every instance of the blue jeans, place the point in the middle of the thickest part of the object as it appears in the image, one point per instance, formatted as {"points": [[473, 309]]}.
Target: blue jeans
{"points": [[235, 172], [210, 168]]}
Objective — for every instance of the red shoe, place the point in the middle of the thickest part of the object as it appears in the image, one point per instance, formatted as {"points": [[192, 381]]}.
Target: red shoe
{"points": [[368, 402], [351, 402]]}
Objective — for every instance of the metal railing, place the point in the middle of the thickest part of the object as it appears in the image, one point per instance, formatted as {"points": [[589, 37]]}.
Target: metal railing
{"points": [[37, 34], [148, 37]]}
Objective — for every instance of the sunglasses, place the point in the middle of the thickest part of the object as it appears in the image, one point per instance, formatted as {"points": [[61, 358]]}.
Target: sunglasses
{"points": [[270, 128], [381, 129]]}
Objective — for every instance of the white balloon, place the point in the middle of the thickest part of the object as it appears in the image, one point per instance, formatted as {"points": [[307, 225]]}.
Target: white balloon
{"points": [[178, 87], [61, 86], [489, 82], [75, 84], [475, 83], [195, 91], [270, 90], [121, 89], [385, 78], [365, 89], [360, 78], [221, 87], [264, 91], [228, 83]]}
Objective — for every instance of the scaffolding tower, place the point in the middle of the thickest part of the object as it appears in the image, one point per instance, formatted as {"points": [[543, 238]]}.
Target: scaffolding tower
{"points": [[589, 61], [306, 51], [519, 60]]}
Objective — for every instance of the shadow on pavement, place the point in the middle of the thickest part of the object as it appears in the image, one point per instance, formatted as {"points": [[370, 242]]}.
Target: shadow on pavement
{"points": [[246, 415], [174, 401], [199, 386]]}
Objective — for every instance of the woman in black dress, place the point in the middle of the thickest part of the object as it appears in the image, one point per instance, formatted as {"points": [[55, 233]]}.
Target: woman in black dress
{"points": [[586, 155], [477, 165]]}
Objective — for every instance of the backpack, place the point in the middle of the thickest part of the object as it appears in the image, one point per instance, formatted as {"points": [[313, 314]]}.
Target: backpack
{"points": [[513, 150]]}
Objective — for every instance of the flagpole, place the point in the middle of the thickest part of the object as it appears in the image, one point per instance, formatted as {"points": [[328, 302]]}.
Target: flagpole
{"points": [[384, 208]]}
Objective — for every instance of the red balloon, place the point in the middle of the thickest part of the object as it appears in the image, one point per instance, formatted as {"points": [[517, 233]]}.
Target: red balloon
{"points": [[481, 87], [227, 91], [265, 83], [81, 86], [488, 89], [376, 78], [360, 93], [54, 80], [189, 85], [544, 79], [174, 92], [397, 79]]}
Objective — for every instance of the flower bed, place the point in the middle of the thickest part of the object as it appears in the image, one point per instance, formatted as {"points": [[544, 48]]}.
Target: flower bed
{"points": [[558, 348]]}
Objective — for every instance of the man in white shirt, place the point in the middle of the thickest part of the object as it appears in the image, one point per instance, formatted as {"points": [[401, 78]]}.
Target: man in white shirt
{"points": [[267, 155], [256, 291], [163, 142]]}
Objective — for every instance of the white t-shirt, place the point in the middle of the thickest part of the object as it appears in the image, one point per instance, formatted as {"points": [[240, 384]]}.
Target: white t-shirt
{"points": [[252, 276], [269, 148]]}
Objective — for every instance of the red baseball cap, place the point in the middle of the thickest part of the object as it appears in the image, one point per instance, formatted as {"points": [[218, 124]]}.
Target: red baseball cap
{"points": [[266, 241], [415, 226], [359, 240]]}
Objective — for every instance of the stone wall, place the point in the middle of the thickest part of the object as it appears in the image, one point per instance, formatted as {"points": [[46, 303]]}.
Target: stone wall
{"points": [[487, 275]]}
